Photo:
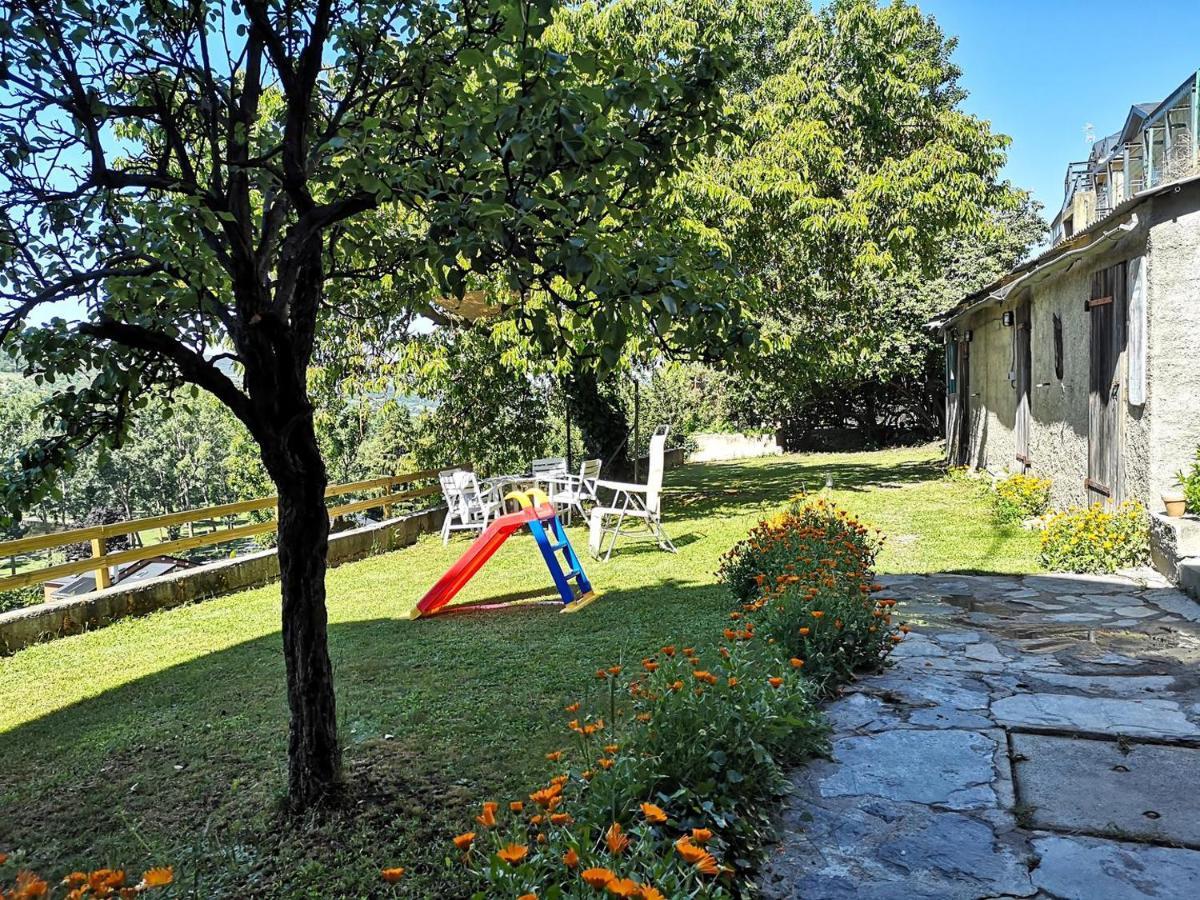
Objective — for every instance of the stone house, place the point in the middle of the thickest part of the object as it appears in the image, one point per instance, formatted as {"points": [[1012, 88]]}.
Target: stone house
{"points": [[1083, 364]]}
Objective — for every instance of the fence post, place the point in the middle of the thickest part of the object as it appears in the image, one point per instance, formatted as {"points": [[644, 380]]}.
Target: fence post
{"points": [[102, 579]]}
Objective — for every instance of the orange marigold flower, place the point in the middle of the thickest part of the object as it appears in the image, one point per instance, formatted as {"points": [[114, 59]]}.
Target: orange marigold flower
{"points": [[702, 835], [560, 780], [488, 817], [546, 796], [392, 875], [676, 685], [597, 877], [573, 708], [624, 887], [106, 879], [537, 820], [513, 854], [649, 665], [601, 674], [724, 651], [643, 717], [611, 748], [586, 774], [561, 819], [463, 841], [733, 681], [75, 879], [614, 670], [615, 839], [159, 876], [796, 662], [804, 632], [649, 892], [604, 762], [689, 651], [817, 613], [571, 858], [554, 756], [669, 650], [541, 839], [653, 814], [689, 851], [28, 885], [774, 681], [517, 806], [527, 897]]}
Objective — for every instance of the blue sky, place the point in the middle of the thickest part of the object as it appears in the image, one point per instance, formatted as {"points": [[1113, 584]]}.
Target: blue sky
{"points": [[1040, 72]]}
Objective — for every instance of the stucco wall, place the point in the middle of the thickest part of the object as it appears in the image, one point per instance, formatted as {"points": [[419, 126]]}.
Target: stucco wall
{"points": [[1173, 330], [1058, 433]]}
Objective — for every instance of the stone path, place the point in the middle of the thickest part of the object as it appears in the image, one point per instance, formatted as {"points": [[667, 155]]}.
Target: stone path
{"points": [[1037, 736]]}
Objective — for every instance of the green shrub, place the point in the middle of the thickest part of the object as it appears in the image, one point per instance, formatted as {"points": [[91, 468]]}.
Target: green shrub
{"points": [[19, 598], [1020, 497], [810, 540], [1096, 540], [1190, 482]]}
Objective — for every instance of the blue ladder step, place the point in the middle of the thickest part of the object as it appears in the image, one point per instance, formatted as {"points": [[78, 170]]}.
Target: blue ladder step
{"points": [[557, 547]]}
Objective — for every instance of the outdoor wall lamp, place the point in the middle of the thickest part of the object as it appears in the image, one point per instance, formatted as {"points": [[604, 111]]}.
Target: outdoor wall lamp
{"points": [[1007, 318]]}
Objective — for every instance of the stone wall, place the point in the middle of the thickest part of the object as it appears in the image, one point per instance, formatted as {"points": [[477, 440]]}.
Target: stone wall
{"points": [[22, 627], [1158, 437]]}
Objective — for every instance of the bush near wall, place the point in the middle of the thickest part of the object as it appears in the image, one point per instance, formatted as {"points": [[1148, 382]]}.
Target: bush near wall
{"points": [[1019, 497], [1095, 540], [663, 786], [1190, 482]]}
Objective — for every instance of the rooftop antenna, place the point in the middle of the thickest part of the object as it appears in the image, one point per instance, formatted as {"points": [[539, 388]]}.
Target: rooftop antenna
{"points": [[1089, 134]]}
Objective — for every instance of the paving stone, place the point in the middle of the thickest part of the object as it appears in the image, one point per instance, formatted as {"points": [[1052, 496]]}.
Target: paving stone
{"points": [[949, 768], [1145, 791], [1114, 684], [861, 712], [1135, 612], [1074, 618], [985, 653], [948, 717], [1114, 659], [884, 851], [928, 689], [958, 637], [1142, 717], [1175, 602], [1096, 869]]}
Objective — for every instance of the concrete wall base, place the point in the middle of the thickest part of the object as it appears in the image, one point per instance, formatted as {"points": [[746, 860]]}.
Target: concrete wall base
{"points": [[22, 627], [1175, 550]]}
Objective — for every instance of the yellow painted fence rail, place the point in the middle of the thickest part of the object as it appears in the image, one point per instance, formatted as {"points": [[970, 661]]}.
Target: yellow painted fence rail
{"points": [[389, 495]]}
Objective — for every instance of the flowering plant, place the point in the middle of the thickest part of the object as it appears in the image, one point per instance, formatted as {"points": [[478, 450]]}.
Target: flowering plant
{"points": [[97, 883], [1094, 539], [1019, 497]]}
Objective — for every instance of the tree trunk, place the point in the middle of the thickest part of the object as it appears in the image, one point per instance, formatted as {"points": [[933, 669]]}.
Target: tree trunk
{"points": [[296, 467], [602, 424]]}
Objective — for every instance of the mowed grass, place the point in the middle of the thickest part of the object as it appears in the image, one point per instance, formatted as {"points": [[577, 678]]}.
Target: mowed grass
{"points": [[161, 740]]}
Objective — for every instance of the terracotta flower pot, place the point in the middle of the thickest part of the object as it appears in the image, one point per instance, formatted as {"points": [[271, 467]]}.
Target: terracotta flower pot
{"points": [[1176, 504]]}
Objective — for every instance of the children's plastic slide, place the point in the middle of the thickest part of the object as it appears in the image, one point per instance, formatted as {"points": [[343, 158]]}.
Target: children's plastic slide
{"points": [[540, 515]]}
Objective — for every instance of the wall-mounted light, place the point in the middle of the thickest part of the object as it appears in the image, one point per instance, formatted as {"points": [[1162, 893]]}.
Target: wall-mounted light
{"points": [[1007, 318], [967, 335]]}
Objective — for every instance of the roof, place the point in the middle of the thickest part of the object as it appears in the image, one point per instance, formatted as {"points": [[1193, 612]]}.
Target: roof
{"points": [[1081, 241], [141, 570]]}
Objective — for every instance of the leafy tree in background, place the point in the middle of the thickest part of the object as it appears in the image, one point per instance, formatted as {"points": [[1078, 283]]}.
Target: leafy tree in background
{"points": [[212, 174], [855, 182]]}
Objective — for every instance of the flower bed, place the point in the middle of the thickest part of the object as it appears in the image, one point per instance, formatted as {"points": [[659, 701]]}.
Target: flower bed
{"points": [[1019, 497], [663, 785], [1096, 540]]}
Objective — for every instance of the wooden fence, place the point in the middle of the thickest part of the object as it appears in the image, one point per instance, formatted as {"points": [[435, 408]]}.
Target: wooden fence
{"points": [[100, 560]]}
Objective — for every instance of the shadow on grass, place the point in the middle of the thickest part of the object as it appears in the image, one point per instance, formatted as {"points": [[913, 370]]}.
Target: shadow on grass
{"points": [[186, 766]]}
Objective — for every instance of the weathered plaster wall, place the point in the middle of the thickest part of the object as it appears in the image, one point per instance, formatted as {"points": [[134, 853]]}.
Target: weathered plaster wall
{"points": [[1173, 370]]}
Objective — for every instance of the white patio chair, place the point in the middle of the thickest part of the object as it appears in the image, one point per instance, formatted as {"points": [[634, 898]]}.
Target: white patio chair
{"points": [[468, 506], [548, 470], [572, 491], [640, 502]]}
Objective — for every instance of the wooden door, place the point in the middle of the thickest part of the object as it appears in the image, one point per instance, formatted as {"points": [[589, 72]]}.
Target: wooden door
{"points": [[958, 404], [1106, 312], [1023, 360]]}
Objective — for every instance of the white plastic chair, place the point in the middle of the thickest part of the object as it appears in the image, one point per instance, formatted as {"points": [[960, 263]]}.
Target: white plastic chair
{"points": [[639, 502], [548, 470], [572, 491], [472, 506]]}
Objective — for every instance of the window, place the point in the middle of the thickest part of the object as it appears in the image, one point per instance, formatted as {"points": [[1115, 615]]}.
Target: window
{"points": [[1058, 347]]}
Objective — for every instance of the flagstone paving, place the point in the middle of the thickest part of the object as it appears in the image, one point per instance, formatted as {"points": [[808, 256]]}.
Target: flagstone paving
{"points": [[1035, 736]]}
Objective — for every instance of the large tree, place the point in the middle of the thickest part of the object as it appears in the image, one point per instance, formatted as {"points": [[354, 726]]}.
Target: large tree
{"points": [[196, 180]]}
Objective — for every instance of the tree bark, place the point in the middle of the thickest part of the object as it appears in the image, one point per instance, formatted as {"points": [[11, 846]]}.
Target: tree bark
{"points": [[602, 424], [313, 758]]}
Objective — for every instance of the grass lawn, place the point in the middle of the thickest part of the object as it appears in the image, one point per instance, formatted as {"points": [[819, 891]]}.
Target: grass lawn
{"points": [[161, 740]]}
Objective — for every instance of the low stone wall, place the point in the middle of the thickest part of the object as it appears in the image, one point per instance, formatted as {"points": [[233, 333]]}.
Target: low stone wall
{"points": [[715, 447], [1175, 550], [22, 627], [672, 459]]}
